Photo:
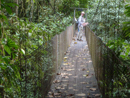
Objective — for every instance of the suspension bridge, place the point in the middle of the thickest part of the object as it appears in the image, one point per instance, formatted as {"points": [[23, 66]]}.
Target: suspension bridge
{"points": [[89, 69], [76, 76], [63, 67]]}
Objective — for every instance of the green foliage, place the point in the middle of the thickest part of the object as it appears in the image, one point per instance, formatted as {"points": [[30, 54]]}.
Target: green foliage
{"points": [[120, 47], [108, 21], [127, 12], [22, 38], [26, 52], [7, 6], [126, 28], [66, 4]]}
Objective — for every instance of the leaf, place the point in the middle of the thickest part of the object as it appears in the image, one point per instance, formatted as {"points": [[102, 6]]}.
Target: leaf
{"points": [[13, 55], [70, 88], [70, 95], [65, 60], [58, 73], [93, 89], [65, 63], [57, 94], [6, 59], [64, 80], [97, 95], [66, 77], [5, 18], [83, 69], [85, 75], [27, 1], [11, 43], [56, 81], [82, 94], [2, 1], [65, 57], [23, 51], [57, 88], [8, 9], [12, 4], [75, 42], [74, 84], [7, 49], [84, 82]]}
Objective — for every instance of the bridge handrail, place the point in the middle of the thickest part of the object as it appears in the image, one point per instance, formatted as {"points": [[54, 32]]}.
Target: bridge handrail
{"points": [[110, 72]]}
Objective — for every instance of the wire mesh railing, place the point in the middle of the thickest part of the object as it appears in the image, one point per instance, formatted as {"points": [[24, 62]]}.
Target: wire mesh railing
{"points": [[112, 76]]}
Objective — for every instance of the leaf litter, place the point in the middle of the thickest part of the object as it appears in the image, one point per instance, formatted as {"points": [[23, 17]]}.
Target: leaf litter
{"points": [[93, 89], [67, 74], [81, 95], [56, 81]]}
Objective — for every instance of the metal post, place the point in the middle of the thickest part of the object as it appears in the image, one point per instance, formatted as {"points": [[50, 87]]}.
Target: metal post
{"points": [[86, 15], [74, 22]]}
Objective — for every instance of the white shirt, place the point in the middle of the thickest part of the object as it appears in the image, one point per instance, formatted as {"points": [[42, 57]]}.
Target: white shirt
{"points": [[81, 21]]}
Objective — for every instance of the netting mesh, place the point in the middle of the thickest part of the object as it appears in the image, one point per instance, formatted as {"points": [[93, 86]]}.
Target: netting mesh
{"points": [[113, 77]]}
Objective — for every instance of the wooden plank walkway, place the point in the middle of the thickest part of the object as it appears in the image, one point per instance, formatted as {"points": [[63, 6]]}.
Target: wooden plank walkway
{"points": [[76, 78]]}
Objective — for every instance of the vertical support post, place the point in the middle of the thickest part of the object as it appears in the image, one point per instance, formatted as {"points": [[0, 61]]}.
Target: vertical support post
{"points": [[86, 14], [74, 22], [57, 51]]}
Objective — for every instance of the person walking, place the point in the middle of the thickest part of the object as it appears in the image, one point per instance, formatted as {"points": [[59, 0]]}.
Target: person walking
{"points": [[81, 24]]}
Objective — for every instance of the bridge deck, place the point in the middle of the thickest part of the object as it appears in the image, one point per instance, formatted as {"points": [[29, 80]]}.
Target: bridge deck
{"points": [[76, 78]]}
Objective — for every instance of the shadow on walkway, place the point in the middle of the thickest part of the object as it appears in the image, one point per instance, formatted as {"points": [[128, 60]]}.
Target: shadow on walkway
{"points": [[76, 78]]}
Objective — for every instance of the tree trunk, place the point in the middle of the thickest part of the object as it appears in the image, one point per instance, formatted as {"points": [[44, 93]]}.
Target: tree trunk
{"points": [[1, 32], [32, 9], [17, 2], [37, 12], [22, 9]]}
